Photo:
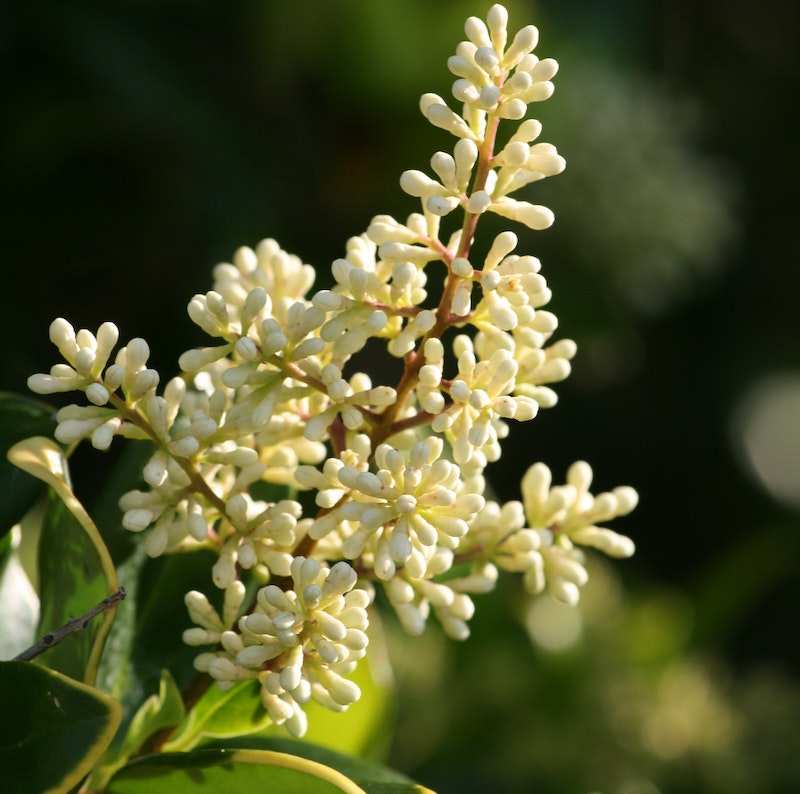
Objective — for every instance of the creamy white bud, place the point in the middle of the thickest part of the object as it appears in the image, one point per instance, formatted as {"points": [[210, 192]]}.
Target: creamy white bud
{"points": [[103, 435], [513, 109], [71, 430], [137, 352], [533, 216], [524, 42], [487, 59], [488, 97], [97, 394], [198, 636], [544, 70], [443, 117], [137, 520], [62, 335], [197, 526], [419, 184], [144, 381], [519, 83], [441, 205], [256, 300], [84, 360], [515, 153], [479, 202]]}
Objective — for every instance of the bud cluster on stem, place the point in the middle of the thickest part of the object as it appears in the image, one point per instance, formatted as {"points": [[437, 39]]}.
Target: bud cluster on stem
{"points": [[380, 485]]}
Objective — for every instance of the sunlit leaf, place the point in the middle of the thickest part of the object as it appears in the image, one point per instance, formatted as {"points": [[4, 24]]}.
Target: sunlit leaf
{"points": [[52, 728], [231, 771], [222, 713], [159, 711], [368, 774], [71, 582]]}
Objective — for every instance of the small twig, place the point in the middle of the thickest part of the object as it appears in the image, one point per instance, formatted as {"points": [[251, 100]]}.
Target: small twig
{"points": [[75, 624]]}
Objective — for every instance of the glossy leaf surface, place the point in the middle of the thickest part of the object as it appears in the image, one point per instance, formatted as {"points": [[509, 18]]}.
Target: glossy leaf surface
{"points": [[64, 727], [231, 771]]}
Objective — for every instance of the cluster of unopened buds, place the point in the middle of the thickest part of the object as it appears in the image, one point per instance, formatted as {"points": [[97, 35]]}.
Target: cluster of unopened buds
{"points": [[378, 485]]}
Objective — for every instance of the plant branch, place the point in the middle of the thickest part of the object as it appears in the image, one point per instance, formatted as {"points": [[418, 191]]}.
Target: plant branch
{"points": [[70, 627]]}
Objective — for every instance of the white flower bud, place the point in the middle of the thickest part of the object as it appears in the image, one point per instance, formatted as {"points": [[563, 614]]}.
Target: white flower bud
{"points": [[72, 430], [103, 435], [441, 205], [246, 348], [524, 42], [197, 526], [184, 447], [83, 361], [486, 58], [137, 352], [544, 70], [442, 116], [113, 377], [256, 300], [419, 184], [533, 216], [144, 381], [488, 97], [137, 520], [97, 394], [62, 335]]}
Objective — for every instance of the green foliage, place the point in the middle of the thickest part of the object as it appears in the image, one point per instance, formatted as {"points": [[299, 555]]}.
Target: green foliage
{"points": [[160, 711], [221, 714], [71, 583], [245, 771], [53, 741]]}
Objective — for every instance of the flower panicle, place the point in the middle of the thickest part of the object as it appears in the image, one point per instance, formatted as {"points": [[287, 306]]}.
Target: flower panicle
{"points": [[391, 475]]}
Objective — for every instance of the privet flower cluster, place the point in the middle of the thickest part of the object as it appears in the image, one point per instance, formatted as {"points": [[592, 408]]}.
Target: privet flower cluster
{"points": [[379, 485]]}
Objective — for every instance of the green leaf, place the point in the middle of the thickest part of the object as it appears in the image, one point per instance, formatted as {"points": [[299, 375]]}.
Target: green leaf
{"points": [[222, 714], [20, 417], [52, 728], [231, 771], [159, 711], [71, 581], [239, 772], [366, 773]]}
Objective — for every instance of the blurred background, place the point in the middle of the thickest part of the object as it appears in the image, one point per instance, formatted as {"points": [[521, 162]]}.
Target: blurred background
{"points": [[142, 142]]}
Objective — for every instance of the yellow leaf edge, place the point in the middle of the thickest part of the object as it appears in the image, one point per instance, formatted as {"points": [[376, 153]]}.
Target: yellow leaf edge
{"points": [[314, 768]]}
